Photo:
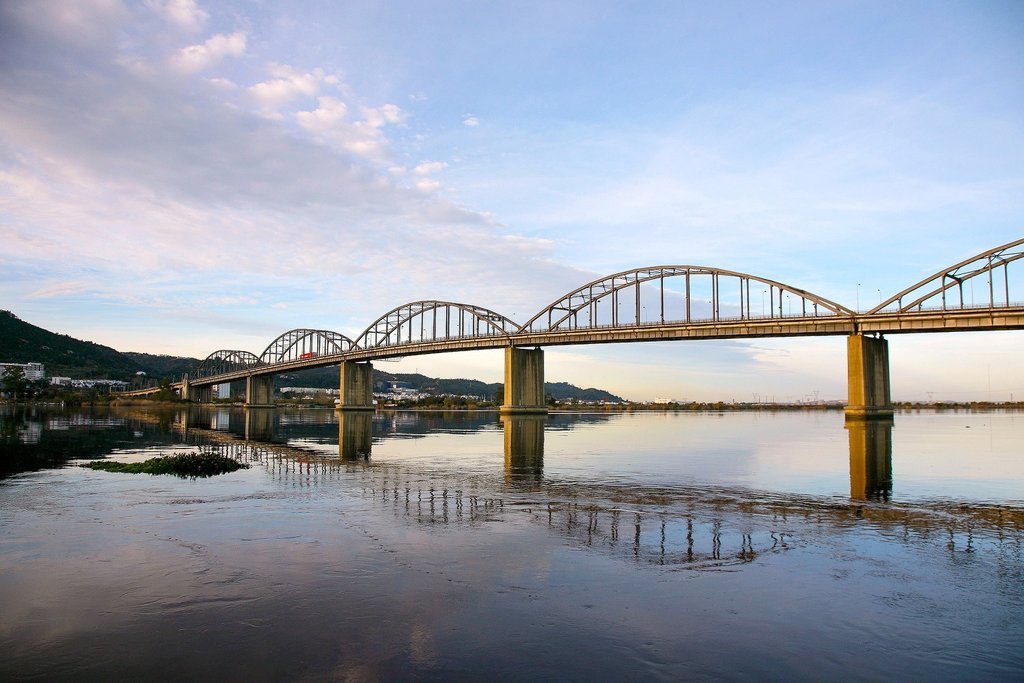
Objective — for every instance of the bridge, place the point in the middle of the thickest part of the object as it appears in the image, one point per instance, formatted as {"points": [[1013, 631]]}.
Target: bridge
{"points": [[656, 303]]}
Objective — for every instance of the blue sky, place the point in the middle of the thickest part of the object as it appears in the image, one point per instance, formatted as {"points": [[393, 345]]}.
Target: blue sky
{"points": [[180, 177]]}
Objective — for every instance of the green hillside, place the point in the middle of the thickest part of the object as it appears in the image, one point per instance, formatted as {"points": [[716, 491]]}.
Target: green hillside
{"points": [[22, 342]]}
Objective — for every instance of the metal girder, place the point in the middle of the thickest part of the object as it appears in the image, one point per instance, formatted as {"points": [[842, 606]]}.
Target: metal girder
{"points": [[706, 287], [434, 320], [300, 344], [224, 361], [953, 279]]}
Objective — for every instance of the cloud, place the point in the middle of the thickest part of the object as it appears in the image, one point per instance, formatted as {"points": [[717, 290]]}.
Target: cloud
{"points": [[427, 185], [185, 14], [330, 123], [287, 85], [470, 121], [173, 181], [203, 56], [428, 167]]}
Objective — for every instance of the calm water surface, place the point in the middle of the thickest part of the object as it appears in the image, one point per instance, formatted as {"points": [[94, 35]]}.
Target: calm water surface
{"points": [[441, 546]]}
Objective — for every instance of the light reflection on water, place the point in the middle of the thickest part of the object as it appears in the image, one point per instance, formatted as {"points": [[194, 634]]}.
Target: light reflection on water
{"points": [[432, 546]]}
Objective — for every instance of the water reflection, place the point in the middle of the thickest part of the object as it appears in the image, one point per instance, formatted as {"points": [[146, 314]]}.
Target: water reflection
{"points": [[355, 434], [870, 459], [524, 447], [688, 527]]}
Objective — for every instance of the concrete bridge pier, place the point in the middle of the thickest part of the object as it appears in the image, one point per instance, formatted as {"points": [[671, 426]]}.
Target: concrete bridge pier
{"points": [[202, 394], [355, 385], [524, 381], [259, 391], [868, 376], [185, 393]]}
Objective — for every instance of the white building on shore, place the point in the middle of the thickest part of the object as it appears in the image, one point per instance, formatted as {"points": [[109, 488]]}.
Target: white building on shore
{"points": [[33, 371]]}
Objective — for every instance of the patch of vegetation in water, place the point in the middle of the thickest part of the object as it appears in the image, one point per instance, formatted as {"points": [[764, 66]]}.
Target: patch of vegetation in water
{"points": [[180, 465]]}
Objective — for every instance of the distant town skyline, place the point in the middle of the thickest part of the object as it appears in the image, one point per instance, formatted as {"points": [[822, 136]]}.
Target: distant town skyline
{"points": [[180, 177]]}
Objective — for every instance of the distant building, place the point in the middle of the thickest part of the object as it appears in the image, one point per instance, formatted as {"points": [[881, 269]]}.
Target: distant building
{"points": [[33, 371], [108, 384], [310, 391]]}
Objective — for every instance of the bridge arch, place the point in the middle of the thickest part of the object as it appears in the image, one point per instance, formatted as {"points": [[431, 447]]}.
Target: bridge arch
{"points": [[945, 289], [694, 294], [422, 321], [302, 343], [225, 361]]}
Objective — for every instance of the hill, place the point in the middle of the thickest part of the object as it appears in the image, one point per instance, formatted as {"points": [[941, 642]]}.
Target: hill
{"points": [[22, 342], [382, 380]]}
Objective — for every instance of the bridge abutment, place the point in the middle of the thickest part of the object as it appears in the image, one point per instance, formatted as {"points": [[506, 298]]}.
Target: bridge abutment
{"points": [[867, 360], [524, 381], [355, 385], [259, 391]]}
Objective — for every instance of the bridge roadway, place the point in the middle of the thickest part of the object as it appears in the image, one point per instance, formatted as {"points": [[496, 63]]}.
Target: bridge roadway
{"points": [[698, 302]]}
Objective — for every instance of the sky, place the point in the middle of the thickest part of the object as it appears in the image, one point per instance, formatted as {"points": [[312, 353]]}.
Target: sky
{"points": [[180, 177]]}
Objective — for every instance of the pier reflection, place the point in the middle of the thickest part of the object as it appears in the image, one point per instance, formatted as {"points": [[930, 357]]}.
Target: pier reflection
{"points": [[870, 459], [524, 447], [355, 434], [260, 424]]}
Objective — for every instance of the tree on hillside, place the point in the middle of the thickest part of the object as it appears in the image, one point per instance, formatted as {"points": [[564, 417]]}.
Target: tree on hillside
{"points": [[14, 382]]}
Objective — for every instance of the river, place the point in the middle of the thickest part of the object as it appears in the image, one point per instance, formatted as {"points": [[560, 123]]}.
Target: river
{"points": [[430, 546]]}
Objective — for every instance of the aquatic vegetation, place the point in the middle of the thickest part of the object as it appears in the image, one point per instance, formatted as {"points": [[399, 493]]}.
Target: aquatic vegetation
{"points": [[180, 465]]}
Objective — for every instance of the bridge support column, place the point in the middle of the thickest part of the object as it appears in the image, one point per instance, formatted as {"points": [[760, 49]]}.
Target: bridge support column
{"points": [[356, 386], [867, 360], [185, 393], [524, 381], [202, 394], [259, 391]]}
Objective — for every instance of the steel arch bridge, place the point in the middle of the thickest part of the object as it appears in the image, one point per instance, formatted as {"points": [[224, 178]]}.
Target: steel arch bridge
{"points": [[653, 303]]}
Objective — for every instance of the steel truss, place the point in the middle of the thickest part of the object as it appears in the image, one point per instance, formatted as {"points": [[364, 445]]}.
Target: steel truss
{"points": [[301, 344], [225, 361], [421, 321], [950, 281], [701, 294]]}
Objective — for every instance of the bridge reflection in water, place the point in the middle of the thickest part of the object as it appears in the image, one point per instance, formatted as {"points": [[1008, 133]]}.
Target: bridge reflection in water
{"points": [[870, 444], [870, 459], [690, 526], [524, 447]]}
